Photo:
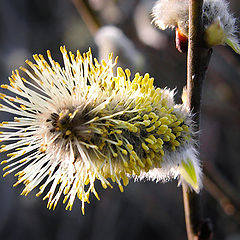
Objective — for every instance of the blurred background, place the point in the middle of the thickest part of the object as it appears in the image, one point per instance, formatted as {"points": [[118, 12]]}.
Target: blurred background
{"points": [[145, 210]]}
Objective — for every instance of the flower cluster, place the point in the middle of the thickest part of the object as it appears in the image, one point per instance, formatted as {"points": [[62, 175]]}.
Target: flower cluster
{"points": [[80, 123], [219, 24]]}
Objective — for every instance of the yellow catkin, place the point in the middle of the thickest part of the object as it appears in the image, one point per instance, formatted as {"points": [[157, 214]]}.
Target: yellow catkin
{"points": [[102, 126]]}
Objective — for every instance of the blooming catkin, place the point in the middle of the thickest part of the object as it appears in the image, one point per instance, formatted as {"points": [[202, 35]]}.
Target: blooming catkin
{"points": [[80, 123], [220, 27]]}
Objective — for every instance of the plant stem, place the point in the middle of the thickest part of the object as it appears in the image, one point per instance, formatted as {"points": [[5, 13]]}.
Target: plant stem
{"points": [[197, 64], [196, 68], [193, 216], [222, 190], [87, 15]]}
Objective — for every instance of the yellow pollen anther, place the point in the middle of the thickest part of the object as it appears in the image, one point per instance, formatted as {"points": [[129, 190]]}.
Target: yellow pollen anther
{"points": [[5, 168], [5, 174], [145, 117], [119, 143], [68, 132], [146, 122], [175, 143], [145, 147], [149, 162], [130, 147], [175, 124], [162, 129], [4, 86], [185, 128], [150, 129], [140, 163], [124, 152], [2, 95], [162, 152], [23, 107], [160, 141], [149, 140], [177, 129], [164, 120]]}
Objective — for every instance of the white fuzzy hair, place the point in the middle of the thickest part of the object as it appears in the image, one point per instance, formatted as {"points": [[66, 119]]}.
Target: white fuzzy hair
{"points": [[173, 13], [166, 13]]}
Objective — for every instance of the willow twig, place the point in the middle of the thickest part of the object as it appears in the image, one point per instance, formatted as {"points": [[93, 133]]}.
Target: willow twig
{"points": [[87, 15], [197, 64], [222, 190]]}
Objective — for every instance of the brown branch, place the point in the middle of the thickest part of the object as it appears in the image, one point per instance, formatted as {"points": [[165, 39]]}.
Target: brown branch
{"points": [[223, 191], [229, 207], [87, 15], [197, 64]]}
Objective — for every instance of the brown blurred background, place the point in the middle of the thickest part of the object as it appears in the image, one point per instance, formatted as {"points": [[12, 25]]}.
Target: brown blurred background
{"points": [[145, 210]]}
